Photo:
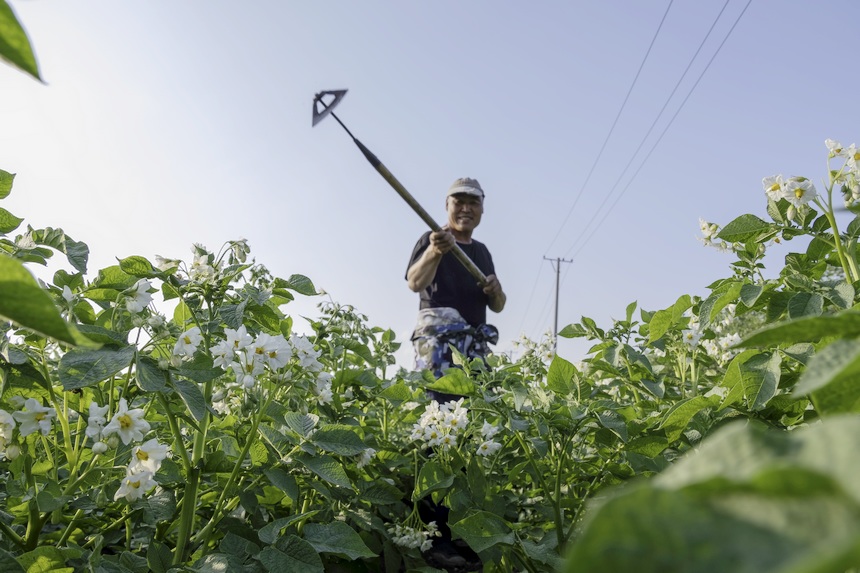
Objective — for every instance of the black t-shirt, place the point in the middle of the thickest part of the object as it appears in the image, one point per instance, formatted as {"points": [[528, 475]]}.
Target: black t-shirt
{"points": [[454, 286]]}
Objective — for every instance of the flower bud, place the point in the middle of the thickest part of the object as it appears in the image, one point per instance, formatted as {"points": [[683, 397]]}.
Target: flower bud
{"points": [[100, 447], [13, 451], [112, 441]]}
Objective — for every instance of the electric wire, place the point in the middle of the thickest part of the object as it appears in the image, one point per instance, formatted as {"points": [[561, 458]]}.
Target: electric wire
{"points": [[633, 156], [663, 133], [611, 129]]}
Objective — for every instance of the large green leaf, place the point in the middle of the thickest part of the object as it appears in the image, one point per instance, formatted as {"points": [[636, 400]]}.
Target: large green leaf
{"points": [[679, 415], [44, 559], [272, 531], [299, 283], [82, 368], [338, 538], [338, 441], [8, 221], [192, 396], [805, 304], [291, 553], [761, 375], [138, 266], [432, 477], [455, 381], [831, 378], [748, 500], [743, 229], [14, 44], [6, 180], [24, 302], [663, 320], [302, 424], [559, 377], [482, 530], [807, 329], [150, 377], [77, 253], [327, 468]]}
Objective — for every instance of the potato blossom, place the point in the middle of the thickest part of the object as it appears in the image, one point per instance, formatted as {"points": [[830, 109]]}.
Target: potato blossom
{"points": [[147, 457], [139, 297], [127, 424], [186, 344], [34, 417], [133, 486]]}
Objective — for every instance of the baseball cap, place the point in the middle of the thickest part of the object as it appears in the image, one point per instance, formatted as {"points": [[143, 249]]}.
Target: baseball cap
{"points": [[466, 186]]}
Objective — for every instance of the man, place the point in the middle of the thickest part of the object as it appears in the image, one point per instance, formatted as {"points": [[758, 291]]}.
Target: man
{"points": [[453, 307]]}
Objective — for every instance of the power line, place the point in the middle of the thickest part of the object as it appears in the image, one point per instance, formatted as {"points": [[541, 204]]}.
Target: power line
{"points": [[606, 197], [659, 139], [611, 129]]}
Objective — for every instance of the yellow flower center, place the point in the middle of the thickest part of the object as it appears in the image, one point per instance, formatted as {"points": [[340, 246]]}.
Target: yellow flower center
{"points": [[774, 187], [39, 416], [273, 354], [142, 456], [259, 350], [125, 421], [799, 192], [134, 484], [857, 156], [186, 339]]}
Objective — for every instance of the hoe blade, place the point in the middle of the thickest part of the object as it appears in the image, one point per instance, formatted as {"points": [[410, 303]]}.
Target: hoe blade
{"points": [[325, 102]]}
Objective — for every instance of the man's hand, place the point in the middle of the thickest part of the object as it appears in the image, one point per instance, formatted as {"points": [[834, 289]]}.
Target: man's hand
{"points": [[442, 241], [493, 289]]}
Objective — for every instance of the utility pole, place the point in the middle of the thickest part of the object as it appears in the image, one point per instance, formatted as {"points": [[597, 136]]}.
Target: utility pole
{"points": [[557, 267]]}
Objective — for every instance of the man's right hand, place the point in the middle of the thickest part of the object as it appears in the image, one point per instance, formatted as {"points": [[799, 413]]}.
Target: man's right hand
{"points": [[442, 241]]}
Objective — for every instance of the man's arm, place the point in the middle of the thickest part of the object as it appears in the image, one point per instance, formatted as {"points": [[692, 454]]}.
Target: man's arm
{"points": [[421, 273], [496, 294]]}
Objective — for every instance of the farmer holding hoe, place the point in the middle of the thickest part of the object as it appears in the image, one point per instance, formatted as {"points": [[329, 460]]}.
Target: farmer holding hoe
{"points": [[453, 307]]}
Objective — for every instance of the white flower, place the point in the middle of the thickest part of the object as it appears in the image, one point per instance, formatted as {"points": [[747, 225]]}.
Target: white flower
{"points": [[165, 265], [304, 350], [96, 421], [709, 230], [488, 430], [139, 298], [365, 457], [7, 425], [239, 338], [155, 321], [275, 350], [773, 187], [128, 424], [187, 342], [834, 147], [147, 457], [67, 293], [799, 191], [201, 270], [222, 354], [133, 486], [34, 417], [488, 448]]}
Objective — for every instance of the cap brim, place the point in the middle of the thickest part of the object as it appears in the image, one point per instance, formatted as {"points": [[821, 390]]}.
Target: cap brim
{"points": [[465, 190]]}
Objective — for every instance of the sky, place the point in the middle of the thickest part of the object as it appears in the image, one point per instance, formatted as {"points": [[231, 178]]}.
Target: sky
{"points": [[161, 124]]}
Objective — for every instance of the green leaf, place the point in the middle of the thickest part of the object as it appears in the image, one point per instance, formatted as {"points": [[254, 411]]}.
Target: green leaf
{"points": [[750, 293], [733, 378], [559, 377], [663, 320], [192, 396], [6, 180], [272, 531], [24, 302], [8, 563], [291, 553], [807, 329], [397, 393], [8, 221], [150, 377], [432, 477], [115, 278], [82, 368], [14, 44], [379, 492], [299, 283], [103, 335], [327, 468], [302, 424], [805, 304], [337, 538], [182, 314], [573, 331], [283, 481], [455, 381], [216, 563], [342, 442], [761, 375], [482, 530], [77, 253], [743, 229], [159, 558], [44, 559], [831, 378], [650, 446], [138, 266], [679, 415], [613, 422]]}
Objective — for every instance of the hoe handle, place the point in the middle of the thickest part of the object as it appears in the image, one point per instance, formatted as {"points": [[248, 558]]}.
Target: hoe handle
{"points": [[401, 190]]}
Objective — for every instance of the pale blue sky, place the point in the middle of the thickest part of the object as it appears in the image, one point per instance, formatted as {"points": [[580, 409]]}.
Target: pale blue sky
{"points": [[167, 123]]}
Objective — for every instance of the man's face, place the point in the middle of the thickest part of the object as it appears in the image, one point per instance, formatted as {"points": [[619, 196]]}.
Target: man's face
{"points": [[464, 212]]}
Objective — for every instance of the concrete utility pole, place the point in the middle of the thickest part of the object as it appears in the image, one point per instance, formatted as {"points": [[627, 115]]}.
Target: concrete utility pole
{"points": [[557, 267]]}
